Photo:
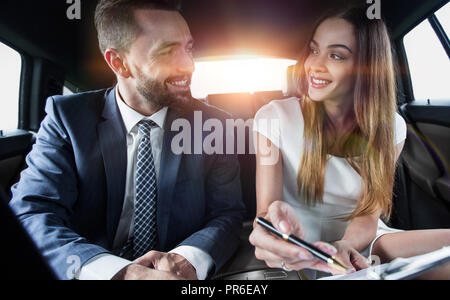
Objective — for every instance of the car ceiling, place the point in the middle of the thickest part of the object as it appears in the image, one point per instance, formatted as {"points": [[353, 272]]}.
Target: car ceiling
{"points": [[274, 28]]}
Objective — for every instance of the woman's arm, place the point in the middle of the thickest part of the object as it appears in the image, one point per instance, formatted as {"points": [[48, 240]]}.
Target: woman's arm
{"points": [[276, 252], [269, 174], [360, 232]]}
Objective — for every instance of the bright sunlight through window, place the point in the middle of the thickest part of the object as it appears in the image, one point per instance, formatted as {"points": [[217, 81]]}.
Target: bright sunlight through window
{"points": [[428, 62], [239, 74], [9, 82]]}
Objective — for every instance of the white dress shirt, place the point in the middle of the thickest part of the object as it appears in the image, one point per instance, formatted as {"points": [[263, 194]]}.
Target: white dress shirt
{"points": [[105, 266]]}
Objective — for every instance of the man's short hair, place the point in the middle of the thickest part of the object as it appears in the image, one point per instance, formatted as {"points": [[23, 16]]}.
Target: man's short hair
{"points": [[115, 23]]}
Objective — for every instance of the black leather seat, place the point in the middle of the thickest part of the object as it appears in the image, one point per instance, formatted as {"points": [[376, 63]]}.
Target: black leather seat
{"points": [[20, 257]]}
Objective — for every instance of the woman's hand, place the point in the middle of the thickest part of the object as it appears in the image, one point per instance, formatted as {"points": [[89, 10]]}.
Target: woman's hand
{"points": [[351, 258], [278, 253]]}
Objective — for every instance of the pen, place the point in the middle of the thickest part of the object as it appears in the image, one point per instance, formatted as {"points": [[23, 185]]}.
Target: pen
{"points": [[316, 252]]}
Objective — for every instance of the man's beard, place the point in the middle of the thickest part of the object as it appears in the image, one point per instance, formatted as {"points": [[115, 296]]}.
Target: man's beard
{"points": [[159, 95]]}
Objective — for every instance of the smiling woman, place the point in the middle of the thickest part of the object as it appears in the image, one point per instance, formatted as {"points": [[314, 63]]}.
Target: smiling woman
{"points": [[237, 74], [339, 143]]}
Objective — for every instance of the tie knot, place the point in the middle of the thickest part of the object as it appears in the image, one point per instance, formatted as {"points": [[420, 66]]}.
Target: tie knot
{"points": [[145, 126]]}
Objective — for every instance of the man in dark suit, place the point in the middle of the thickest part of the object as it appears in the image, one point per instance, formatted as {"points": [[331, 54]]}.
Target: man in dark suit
{"points": [[105, 196]]}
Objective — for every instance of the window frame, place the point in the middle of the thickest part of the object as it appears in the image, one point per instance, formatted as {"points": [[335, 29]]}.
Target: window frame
{"points": [[440, 32], [442, 37]]}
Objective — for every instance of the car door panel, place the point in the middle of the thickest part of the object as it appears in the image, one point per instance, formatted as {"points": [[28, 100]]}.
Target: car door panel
{"points": [[425, 160], [13, 148]]}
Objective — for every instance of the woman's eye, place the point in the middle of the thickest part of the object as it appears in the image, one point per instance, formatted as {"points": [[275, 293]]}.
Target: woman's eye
{"points": [[336, 57], [314, 51]]}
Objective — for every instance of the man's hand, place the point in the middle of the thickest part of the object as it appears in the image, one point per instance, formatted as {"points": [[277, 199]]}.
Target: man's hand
{"points": [[169, 262], [278, 253], [138, 272]]}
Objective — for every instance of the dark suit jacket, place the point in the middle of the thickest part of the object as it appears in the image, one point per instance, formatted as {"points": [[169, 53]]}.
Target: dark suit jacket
{"points": [[71, 195]]}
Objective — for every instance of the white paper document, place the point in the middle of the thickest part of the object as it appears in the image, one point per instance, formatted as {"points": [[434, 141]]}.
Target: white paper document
{"points": [[400, 268]]}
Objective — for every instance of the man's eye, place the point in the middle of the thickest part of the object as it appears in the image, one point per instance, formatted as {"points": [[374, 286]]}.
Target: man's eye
{"points": [[166, 52], [314, 51]]}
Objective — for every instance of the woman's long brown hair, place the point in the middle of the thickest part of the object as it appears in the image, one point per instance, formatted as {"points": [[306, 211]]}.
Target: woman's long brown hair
{"points": [[374, 111]]}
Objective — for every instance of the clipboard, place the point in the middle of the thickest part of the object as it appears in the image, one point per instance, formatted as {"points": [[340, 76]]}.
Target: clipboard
{"points": [[400, 268]]}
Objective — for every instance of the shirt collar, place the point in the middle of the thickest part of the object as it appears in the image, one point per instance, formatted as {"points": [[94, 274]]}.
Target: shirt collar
{"points": [[131, 117]]}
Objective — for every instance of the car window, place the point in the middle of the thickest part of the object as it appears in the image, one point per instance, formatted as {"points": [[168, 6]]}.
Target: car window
{"points": [[443, 16], [428, 62], [9, 83], [239, 74], [67, 91]]}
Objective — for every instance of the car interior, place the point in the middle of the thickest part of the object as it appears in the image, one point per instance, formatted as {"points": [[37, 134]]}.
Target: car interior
{"points": [[59, 55]]}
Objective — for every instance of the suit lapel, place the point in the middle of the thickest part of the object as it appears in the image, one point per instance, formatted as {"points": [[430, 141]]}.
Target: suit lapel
{"points": [[112, 138], [168, 173]]}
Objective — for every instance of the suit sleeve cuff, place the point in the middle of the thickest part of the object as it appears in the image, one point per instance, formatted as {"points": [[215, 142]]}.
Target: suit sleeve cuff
{"points": [[199, 259], [102, 267]]}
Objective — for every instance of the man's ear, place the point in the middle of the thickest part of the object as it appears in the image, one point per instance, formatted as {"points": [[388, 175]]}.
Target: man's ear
{"points": [[117, 63]]}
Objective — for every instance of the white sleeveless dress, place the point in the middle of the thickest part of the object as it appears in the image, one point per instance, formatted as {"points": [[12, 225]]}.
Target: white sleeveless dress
{"points": [[342, 188]]}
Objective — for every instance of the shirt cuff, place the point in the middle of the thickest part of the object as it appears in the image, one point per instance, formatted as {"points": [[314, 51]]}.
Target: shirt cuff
{"points": [[102, 267], [199, 259]]}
